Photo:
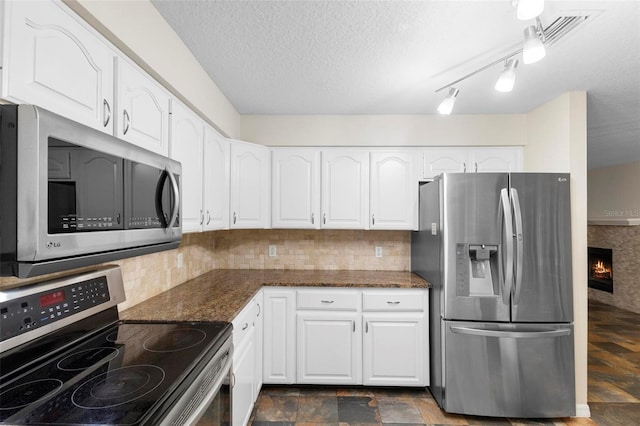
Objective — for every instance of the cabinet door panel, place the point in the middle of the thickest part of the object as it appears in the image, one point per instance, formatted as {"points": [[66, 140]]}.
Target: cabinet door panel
{"points": [[250, 185], [143, 110], [186, 146], [55, 62], [216, 181], [394, 190], [444, 160], [345, 189], [296, 188], [329, 348], [395, 351], [497, 159], [279, 363], [242, 391]]}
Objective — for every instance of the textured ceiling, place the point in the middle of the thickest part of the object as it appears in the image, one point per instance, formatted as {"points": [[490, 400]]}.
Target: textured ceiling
{"points": [[389, 57]]}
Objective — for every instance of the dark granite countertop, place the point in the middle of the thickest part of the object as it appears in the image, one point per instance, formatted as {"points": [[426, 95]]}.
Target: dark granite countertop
{"points": [[220, 295]]}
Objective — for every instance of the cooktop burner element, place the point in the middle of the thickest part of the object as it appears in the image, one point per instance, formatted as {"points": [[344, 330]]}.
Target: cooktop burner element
{"points": [[119, 375]]}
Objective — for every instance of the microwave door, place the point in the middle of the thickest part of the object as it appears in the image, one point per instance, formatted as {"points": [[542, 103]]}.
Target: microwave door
{"points": [[151, 197]]}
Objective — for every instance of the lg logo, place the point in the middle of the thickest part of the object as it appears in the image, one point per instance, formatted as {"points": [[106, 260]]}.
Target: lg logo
{"points": [[561, 179], [52, 244]]}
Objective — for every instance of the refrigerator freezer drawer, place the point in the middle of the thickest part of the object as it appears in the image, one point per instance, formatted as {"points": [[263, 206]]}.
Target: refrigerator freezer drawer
{"points": [[509, 370]]}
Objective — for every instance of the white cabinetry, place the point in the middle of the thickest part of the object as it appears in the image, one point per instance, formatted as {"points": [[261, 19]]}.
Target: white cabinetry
{"points": [[54, 61], [243, 388], [471, 160], [295, 185], [395, 344], [187, 135], [216, 180], [329, 344], [394, 190], [279, 345], [345, 189], [259, 338], [142, 110], [250, 185]]}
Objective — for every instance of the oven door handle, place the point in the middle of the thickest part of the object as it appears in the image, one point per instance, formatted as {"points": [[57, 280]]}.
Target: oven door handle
{"points": [[195, 415]]}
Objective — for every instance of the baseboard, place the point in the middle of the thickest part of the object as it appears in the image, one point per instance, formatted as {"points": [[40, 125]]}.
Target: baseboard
{"points": [[582, 410]]}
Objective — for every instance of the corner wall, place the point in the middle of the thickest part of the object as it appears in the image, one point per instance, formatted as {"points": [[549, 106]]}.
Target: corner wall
{"points": [[557, 142]]}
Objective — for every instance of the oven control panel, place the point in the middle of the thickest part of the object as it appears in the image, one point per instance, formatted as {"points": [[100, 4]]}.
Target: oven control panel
{"points": [[26, 313]]}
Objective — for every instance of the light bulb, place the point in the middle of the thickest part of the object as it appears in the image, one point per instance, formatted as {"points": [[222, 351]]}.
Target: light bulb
{"points": [[507, 79], [446, 106], [528, 9]]}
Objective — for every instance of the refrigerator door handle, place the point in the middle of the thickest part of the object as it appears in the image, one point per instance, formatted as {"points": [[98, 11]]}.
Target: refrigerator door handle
{"points": [[508, 241], [517, 215], [511, 334]]}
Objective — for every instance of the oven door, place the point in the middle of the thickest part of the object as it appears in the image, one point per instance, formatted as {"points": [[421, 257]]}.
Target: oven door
{"points": [[81, 191], [207, 401]]}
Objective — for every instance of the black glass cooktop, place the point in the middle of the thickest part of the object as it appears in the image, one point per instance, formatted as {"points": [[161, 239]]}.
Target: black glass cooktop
{"points": [[118, 377]]}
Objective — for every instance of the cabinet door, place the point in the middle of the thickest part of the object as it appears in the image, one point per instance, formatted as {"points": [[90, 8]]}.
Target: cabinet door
{"points": [[279, 345], [143, 110], [497, 159], [242, 392], [186, 146], [345, 189], [250, 185], [329, 348], [54, 61], [216, 180], [259, 328], [395, 349], [444, 160], [394, 190], [295, 188]]}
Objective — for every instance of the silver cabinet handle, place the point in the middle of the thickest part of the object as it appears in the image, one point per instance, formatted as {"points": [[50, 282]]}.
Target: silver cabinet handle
{"points": [[106, 112], [234, 218], [245, 326], [354, 326], [312, 219], [464, 167], [201, 217], [324, 218], [259, 310], [233, 380], [208, 217], [366, 327], [327, 301], [395, 302], [373, 219], [127, 121], [476, 163]]}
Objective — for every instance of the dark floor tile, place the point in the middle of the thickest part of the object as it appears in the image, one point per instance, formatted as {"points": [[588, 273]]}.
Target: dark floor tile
{"points": [[615, 414], [276, 408], [356, 409], [317, 409], [398, 410]]}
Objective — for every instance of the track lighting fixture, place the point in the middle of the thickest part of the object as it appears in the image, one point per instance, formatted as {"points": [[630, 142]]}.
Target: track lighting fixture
{"points": [[533, 49], [507, 79], [446, 106], [528, 9]]}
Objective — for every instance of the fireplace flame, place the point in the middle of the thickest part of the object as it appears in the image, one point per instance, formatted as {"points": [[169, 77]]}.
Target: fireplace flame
{"points": [[601, 269]]}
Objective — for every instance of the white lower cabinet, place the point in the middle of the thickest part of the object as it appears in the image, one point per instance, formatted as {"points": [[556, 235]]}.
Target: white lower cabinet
{"points": [[244, 372], [329, 348], [375, 337]]}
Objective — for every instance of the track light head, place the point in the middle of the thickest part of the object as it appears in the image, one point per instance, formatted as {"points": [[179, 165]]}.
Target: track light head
{"points": [[528, 9], [507, 79], [533, 49], [446, 106]]}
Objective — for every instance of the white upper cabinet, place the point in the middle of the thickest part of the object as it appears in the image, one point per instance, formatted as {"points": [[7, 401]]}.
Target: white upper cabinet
{"points": [[187, 134], [250, 186], [142, 109], [507, 159], [295, 177], [471, 160], [54, 61], [345, 189], [394, 190], [216, 180]]}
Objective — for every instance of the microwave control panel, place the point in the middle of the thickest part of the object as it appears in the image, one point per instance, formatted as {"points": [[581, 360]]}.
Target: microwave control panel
{"points": [[24, 314]]}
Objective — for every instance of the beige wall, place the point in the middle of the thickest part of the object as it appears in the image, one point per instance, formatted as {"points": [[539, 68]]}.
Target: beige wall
{"points": [[137, 28], [613, 192], [384, 130], [557, 142]]}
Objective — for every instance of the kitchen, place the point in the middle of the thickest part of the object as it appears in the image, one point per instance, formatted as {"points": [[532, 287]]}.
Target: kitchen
{"points": [[558, 126]]}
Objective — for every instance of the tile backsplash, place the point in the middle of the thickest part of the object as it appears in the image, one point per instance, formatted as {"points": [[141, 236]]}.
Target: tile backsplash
{"points": [[146, 276]]}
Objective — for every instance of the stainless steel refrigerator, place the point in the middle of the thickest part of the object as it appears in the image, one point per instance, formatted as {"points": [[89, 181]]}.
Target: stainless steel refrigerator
{"points": [[496, 248]]}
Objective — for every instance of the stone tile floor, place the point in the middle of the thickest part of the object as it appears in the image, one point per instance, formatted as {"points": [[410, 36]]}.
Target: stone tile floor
{"points": [[613, 394]]}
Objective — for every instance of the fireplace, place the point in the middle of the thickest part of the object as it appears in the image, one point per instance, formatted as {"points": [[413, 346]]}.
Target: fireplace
{"points": [[601, 269]]}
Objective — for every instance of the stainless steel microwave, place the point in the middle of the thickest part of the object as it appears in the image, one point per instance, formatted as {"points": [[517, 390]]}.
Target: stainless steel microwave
{"points": [[72, 196]]}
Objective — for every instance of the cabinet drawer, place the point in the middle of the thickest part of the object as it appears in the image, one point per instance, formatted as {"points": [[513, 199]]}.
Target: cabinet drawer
{"points": [[329, 300], [243, 323], [394, 301]]}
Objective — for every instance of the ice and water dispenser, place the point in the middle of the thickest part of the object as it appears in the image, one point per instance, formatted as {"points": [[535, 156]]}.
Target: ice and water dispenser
{"points": [[477, 272]]}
